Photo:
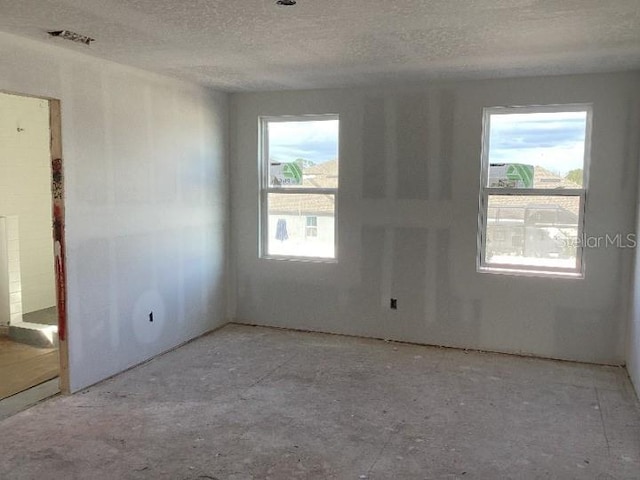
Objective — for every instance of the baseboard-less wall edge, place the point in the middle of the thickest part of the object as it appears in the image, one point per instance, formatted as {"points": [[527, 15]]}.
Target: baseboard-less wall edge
{"points": [[432, 345], [29, 398], [635, 387], [132, 367]]}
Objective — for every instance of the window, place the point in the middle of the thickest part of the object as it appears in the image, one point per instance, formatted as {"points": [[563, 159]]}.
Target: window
{"points": [[312, 227], [299, 186], [533, 191]]}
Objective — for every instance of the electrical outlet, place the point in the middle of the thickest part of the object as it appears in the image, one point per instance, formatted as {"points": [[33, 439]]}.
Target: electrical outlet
{"points": [[393, 304]]}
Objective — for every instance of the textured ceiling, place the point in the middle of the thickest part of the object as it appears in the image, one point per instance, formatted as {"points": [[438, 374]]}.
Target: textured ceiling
{"points": [[240, 45]]}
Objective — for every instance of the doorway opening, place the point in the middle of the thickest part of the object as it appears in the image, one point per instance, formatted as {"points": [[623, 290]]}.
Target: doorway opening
{"points": [[33, 348]]}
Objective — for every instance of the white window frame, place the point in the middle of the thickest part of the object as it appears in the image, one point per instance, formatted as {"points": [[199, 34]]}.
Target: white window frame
{"points": [[266, 189], [485, 192], [311, 228]]}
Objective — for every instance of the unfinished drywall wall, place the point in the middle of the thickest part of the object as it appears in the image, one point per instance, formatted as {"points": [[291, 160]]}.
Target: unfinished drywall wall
{"points": [[633, 331], [146, 204], [25, 192], [408, 206]]}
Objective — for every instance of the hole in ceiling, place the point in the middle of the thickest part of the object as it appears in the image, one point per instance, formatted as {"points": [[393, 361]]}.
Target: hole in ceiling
{"points": [[73, 36], [286, 3]]}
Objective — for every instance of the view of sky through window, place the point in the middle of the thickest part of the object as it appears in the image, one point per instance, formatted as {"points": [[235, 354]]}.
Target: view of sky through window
{"points": [[315, 141], [552, 140]]}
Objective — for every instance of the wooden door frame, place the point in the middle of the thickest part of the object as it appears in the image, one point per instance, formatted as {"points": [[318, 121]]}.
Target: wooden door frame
{"points": [[59, 245], [58, 219]]}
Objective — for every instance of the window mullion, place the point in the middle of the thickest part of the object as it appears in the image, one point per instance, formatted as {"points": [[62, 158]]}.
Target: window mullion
{"points": [[302, 191], [536, 192]]}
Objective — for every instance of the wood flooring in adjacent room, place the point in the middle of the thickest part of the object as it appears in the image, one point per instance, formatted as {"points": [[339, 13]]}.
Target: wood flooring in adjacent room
{"points": [[249, 403], [23, 366]]}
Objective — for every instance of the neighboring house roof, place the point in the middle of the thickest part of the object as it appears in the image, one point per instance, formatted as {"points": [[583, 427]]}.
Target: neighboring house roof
{"points": [[543, 178], [325, 175], [300, 204], [322, 175]]}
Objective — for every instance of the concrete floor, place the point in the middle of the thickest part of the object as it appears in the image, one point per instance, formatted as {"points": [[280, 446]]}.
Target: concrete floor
{"points": [[256, 403]]}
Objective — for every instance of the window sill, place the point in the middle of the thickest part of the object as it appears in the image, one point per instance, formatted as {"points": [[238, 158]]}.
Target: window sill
{"points": [[284, 258], [521, 272]]}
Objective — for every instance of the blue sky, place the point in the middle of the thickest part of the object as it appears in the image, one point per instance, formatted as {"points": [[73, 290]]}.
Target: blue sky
{"points": [[554, 141], [312, 140]]}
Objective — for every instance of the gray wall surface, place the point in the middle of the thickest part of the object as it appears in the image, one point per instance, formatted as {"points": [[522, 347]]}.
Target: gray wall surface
{"points": [[408, 209], [633, 333], [146, 204]]}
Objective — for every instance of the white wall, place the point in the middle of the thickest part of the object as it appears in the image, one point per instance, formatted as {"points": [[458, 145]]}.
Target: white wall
{"points": [[10, 277], [409, 180], [5, 303], [146, 200], [25, 192]]}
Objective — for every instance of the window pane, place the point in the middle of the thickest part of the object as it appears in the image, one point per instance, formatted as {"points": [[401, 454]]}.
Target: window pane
{"points": [[303, 153], [532, 231], [537, 150], [289, 231]]}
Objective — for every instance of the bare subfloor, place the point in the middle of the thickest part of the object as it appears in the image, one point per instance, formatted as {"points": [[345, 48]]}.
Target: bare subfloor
{"points": [[256, 403]]}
